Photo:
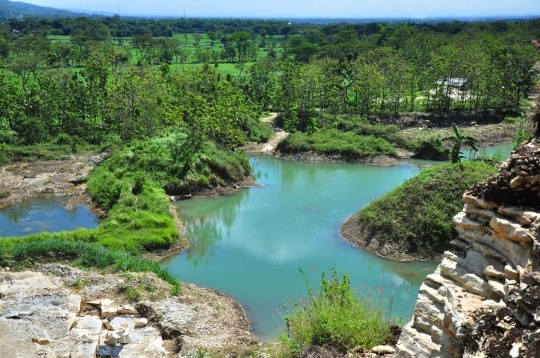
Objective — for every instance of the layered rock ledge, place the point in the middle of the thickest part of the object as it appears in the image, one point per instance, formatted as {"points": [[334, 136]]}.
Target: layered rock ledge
{"points": [[484, 298]]}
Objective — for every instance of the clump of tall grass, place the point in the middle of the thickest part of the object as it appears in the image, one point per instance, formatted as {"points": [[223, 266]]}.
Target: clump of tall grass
{"points": [[336, 317]]}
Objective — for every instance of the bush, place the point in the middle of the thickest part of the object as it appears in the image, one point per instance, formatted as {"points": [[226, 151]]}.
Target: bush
{"points": [[8, 137], [105, 188], [335, 317]]}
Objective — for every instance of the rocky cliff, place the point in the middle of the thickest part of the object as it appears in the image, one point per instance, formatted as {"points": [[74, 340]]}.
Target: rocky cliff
{"points": [[484, 298]]}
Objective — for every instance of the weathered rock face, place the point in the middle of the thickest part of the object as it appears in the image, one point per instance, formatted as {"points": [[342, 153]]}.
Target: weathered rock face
{"points": [[67, 312], [484, 298]]}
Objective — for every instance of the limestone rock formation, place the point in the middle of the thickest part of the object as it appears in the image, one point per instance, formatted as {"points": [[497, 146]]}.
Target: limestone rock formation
{"points": [[67, 312], [484, 298]]}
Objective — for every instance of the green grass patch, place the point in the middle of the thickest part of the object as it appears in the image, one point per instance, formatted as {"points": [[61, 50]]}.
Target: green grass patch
{"points": [[58, 247], [335, 317], [332, 141], [418, 214]]}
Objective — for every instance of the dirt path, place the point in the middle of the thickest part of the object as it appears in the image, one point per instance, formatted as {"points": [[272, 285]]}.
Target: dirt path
{"points": [[270, 146]]}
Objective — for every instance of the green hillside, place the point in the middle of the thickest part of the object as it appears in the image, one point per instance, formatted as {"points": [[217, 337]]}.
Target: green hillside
{"points": [[16, 9]]}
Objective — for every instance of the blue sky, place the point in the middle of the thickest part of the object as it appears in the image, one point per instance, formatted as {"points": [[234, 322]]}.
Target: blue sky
{"points": [[305, 8]]}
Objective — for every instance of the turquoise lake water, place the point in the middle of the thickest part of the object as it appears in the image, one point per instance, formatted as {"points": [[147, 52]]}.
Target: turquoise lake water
{"points": [[44, 214], [250, 245]]}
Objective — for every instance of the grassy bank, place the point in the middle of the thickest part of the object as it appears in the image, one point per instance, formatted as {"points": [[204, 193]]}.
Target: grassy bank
{"points": [[62, 247], [418, 214], [131, 187], [356, 137]]}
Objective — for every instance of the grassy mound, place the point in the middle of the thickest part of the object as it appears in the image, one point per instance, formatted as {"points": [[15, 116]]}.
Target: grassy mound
{"points": [[58, 247], [418, 214], [332, 141]]}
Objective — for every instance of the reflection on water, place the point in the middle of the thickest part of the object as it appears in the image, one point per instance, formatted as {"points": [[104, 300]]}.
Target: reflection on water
{"points": [[203, 230], [44, 214], [251, 245], [501, 150]]}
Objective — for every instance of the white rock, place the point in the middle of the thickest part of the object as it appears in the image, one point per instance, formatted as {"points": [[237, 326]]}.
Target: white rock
{"points": [[112, 341], [107, 324], [125, 339], [514, 352], [120, 323], [127, 310], [383, 350], [141, 322], [510, 272], [509, 230]]}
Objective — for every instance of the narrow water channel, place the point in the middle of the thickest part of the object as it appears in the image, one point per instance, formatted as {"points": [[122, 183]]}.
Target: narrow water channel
{"points": [[250, 245], [44, 214]]}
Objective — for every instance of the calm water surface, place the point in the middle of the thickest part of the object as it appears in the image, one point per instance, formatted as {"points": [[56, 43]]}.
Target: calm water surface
{"points": [[250, 245], [44, 214]]}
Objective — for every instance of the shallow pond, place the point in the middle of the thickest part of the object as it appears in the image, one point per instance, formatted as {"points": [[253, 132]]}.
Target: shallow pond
{"points": [[250, 245], [44, 214]]}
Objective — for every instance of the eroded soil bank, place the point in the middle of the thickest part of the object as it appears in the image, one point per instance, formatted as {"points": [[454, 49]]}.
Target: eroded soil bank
{"points": [[353, 231]]}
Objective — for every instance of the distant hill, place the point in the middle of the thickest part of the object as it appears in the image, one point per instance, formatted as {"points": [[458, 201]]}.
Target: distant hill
{"points": [[16, 9]]}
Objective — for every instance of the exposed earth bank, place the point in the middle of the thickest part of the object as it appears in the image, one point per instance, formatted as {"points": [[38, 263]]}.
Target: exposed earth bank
{"points": [[353, 231]]}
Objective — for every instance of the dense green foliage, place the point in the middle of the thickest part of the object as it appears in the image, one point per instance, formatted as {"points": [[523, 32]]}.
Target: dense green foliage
{"points": [[335, 317], [418, 214], [307, 72]]}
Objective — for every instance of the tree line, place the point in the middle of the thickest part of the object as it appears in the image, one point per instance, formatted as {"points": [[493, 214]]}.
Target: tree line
{"points": [[54, 88]]}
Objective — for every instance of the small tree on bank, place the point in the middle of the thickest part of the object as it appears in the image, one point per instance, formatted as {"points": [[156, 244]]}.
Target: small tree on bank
{"points": [[459, 141]]}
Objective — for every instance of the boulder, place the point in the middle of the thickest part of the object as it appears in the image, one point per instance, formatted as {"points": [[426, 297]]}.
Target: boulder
{"points": [[383, 350], [141, 322]]}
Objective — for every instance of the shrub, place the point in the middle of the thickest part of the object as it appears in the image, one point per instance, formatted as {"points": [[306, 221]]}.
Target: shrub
{"points": [[105, 188], [8, 137], [335, 317]]}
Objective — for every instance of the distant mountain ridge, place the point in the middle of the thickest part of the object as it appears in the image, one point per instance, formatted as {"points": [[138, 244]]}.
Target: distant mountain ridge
{"points": [[17, 9]]}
